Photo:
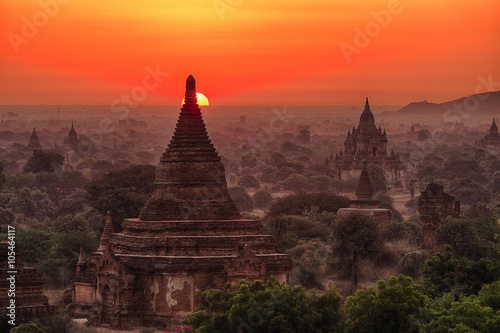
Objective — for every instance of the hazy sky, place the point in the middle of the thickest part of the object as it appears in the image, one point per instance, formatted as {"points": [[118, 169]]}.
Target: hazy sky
{"points": [[246, 51]]}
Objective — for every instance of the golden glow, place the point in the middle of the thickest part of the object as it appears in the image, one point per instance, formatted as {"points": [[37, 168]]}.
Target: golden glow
{"points": [[247, 52], [202, 100]]}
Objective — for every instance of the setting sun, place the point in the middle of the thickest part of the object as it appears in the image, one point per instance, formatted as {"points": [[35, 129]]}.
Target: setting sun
{"points": [[202, 100]]}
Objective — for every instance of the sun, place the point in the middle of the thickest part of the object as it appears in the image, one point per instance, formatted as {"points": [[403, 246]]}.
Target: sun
{"points": [[202, 100]]}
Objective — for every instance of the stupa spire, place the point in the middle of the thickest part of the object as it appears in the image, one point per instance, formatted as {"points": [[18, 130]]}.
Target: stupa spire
{"points": [[364, 191], [189, 169], [106, 233], [367, 106], [34, 142], [493, 128]]}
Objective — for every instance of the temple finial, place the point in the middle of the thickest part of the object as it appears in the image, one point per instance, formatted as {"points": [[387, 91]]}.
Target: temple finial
{"points": [[367, 105], [190, 95], [106, 233]]}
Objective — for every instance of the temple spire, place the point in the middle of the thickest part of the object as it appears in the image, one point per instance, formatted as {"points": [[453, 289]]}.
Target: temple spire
{"points": [[81, 258], [190, 167], [106, 233], [367, 105], [493, 128], [364, 191], [34, 142]]}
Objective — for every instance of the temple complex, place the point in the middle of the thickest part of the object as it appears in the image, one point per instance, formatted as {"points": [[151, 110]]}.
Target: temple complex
{"points": [[433, 206], [365, 142], [72, 139], [364, 203], [189, 236], [492, 139], [34, 143], [30, 302]]}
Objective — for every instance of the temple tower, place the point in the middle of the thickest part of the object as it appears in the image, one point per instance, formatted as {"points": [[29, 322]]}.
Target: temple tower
{"points": [[434, 205], [34, 143], [364, 203], [189, 236]]}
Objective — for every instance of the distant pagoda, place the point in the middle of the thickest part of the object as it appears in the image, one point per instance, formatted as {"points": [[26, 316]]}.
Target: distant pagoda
{"points": [[366, 142], [72, 139], [364, 203], [189, 237], [34, 143], [492, 139]]}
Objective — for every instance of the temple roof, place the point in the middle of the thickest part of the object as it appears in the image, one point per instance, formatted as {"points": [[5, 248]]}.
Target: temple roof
{"points": [[366, 120], [106, 233], [493, 128], [34, 142], [364, 191], [190, 178]]}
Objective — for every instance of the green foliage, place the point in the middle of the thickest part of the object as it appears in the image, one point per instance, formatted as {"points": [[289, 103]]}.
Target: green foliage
{"points": [[42, 161], [356, 236], [466, 315], [463, 237], [262, 199], [468, 191], [386, 202], [296, 204], [266, 307], [403, 230], [489, 295], [32, 204], [442, 274], [26, 328], [20, 180], [248, 181], [241, 198], [35, 245], [295, 183], [392, 309]]}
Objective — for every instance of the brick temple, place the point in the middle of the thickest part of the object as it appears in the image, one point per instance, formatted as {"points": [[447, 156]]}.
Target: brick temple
{"points": [[434, 205], [30, 302], [492, 139], [189, 236], [34, 142], [364, 203], [365, 142]]}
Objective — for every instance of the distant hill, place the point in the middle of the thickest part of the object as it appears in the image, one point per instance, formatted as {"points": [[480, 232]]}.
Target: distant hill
{"points": [[484, 104]]}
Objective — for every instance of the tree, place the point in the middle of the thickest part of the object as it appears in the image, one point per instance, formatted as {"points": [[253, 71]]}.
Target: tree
{"points": [[442, 274], [462, 236], [466, 315], [262, 199], [26, 328], [241, 198], [266, 307], [356, 236], [296, 204], [123, 192], [42, 161], [391, 309], [296, 183], [468, 191], [248, 181]]}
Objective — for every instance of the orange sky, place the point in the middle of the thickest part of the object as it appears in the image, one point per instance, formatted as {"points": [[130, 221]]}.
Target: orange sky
{"points": [[255, 52]]}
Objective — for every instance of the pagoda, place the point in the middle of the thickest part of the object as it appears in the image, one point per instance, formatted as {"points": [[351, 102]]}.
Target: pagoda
{"points": [[72, 139], [34, 143], [30, 302], [365, 142], [189, 236], [364, 203], [492, 139]]}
